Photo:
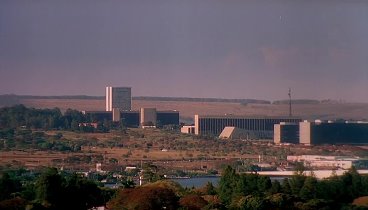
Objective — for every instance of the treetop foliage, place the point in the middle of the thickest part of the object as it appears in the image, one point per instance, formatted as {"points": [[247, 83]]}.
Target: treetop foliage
{"points": [[51, 190], [252, 191], [19, 116]]}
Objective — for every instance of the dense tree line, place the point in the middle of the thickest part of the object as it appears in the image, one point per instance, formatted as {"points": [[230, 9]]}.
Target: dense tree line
{"points": [[50, 190], [252, 191], [19, 116]]}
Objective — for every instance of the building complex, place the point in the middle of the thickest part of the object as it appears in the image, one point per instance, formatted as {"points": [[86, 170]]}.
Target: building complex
{"points": [[281, 129], [118, 109]]}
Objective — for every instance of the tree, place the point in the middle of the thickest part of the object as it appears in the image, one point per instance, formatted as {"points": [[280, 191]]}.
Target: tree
{"points": [[210, 189], [144, 198], [332, 189], [280, 201], [275, 188], [74, 125], [357, 188], [8, 186], [249, 202], [150, 173], [285, 187], [263, 184], [315, 204], [82, 194], [299, 168], [227, 184], [49, 189], [66, 124], [13, 204], [192, 202], [20, 115], [296, 183], [128, 183], [309, 189]]}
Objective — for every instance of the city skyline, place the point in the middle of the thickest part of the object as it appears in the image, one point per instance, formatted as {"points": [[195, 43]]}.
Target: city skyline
{"points": [[207, 49]]}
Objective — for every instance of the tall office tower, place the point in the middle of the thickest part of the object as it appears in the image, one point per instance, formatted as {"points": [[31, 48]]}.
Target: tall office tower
{"points": [[118, 97]]}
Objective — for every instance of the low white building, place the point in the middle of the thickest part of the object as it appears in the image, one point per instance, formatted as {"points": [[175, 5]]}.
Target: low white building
{"points": [[190, 129], [318, 161]]}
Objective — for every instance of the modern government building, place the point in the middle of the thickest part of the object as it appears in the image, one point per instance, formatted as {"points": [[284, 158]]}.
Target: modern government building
{"points": [[322, 132], [281, 129], [118, 109], [256, 126], [118, 97]]}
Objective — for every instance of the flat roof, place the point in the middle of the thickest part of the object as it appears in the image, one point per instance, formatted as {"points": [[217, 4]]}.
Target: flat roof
{"points": [[247, 117], [128, 111], [95, 112], [167, 111], [118, 87]]}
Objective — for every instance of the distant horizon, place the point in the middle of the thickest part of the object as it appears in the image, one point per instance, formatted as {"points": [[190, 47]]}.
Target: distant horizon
{"points": [[184, 97]]}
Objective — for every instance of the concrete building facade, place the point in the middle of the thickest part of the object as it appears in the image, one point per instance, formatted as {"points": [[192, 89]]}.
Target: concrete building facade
{"points": [[116, 115], [286, 133], [333, 133], [148, 117], [118, 97], [130, 119], [258, 127], [135, 119], [233, 133], [167, 118], [97, 116]]}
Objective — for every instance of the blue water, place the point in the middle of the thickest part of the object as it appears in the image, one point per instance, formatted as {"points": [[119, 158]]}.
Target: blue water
{"points": [[197, 181]]}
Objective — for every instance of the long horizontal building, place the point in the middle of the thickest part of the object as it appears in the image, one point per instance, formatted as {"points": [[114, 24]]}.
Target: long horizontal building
{"points": [[129, 118], [319, 132], [334, 162], [258, 127], [333, 133], [135, 118]]}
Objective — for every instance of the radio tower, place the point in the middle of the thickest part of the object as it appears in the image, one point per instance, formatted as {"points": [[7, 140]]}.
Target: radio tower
{"points": [[290, 102]]}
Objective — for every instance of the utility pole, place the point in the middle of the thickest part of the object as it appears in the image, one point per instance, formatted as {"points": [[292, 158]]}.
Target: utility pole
{"points": [[290, 102]]}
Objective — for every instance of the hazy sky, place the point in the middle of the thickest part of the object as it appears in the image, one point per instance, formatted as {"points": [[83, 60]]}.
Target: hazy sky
{"points": [[191, 48]]}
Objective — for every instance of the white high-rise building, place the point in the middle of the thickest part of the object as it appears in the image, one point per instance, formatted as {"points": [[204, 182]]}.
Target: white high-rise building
{"points": [[118, 97]]}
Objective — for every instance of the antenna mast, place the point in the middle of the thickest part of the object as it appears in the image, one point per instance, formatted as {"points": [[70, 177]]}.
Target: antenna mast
{"points": [[290, 102]]}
